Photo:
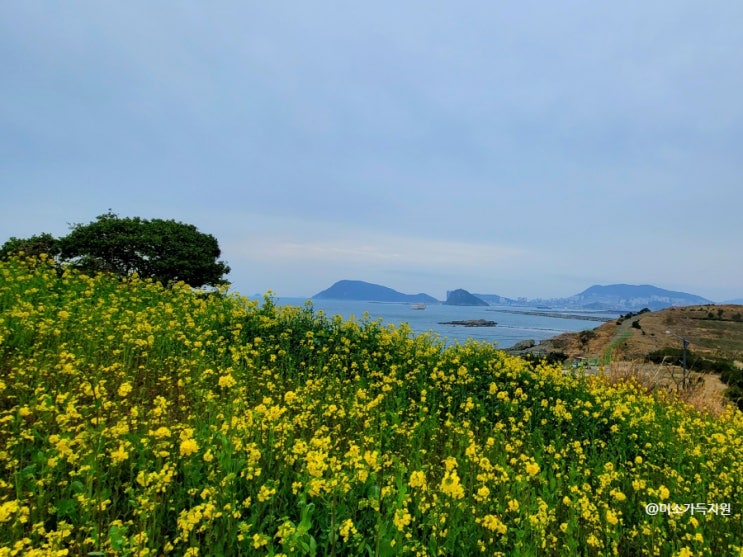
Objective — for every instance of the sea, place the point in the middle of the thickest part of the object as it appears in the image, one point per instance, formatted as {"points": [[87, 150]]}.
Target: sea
{"points": [[513, 323]]}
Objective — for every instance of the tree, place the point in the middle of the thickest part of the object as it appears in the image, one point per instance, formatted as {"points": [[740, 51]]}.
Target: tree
{"points": [[33, 246], [163, 250]]}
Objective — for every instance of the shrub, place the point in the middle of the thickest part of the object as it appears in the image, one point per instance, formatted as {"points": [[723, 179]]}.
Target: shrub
{"points": [[585, 336]]}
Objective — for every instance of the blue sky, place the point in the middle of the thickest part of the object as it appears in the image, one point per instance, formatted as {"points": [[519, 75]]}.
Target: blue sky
{"points": [[516, 148]]}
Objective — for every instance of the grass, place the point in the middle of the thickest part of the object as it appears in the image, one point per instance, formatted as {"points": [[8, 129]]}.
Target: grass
{"points": [[138, 420]]}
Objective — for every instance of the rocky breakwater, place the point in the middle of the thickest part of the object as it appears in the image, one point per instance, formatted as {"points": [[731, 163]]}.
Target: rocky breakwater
{"points": [[470, 323]]}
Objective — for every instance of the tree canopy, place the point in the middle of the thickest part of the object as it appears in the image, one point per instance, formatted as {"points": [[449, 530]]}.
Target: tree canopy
{"points": [[163, 250], [33, 246]]}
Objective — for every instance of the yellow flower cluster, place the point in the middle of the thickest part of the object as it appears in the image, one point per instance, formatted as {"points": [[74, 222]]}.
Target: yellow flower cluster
{"points": [[140, 420], [188, 447]]}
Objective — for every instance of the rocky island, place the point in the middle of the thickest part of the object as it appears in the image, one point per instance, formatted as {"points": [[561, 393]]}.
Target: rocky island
{"points": [[460, 297]]}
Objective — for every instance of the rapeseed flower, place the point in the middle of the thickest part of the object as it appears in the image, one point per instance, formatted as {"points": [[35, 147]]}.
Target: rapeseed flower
{"points": [[265, 493], [402, 519], [663, 492], [8, 510], [188, 447], [260, 540], [124, 389], [451, 485], [347, 529], [494, 524], [120, 454], [483, 493], [417, 479]]}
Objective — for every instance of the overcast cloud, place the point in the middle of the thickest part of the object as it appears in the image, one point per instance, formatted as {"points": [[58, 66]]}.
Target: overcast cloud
{"points": [[523, 149]]}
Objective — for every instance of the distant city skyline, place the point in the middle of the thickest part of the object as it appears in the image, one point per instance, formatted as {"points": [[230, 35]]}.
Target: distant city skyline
{"points": [[525, 150]]}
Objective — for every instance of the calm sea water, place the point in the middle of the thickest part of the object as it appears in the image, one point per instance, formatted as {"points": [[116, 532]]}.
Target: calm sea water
{"points": [[510, 329]]}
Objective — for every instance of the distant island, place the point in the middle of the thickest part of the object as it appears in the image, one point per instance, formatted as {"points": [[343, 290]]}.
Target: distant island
{"points": [[460, 297], [359, 290]]}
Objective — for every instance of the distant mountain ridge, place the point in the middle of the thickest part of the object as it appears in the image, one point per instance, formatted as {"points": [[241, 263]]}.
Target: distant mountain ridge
{"points": [[632, 297], [611, 297], [496, 299], [359, 290]]}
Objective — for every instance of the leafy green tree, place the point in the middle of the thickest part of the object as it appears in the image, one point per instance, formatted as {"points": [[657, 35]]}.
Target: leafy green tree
{"points": [[164, 250], [33, 246]]}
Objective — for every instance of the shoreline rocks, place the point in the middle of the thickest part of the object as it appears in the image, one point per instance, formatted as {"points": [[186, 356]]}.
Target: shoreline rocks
{"points": [[523, 345]]}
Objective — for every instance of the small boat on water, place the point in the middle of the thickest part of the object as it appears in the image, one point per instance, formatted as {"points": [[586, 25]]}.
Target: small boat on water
{"points": [[418, 306]]}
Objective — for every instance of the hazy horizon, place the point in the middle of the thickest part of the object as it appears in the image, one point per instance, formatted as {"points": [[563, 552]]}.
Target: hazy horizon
{"points": [[526, 150]]}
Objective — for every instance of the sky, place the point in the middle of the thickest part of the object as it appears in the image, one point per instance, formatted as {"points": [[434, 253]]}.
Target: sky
{"points": [[526, 149]]}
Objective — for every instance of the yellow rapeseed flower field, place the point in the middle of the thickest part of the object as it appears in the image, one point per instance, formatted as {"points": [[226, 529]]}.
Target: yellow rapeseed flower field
{"points": [[142, 420]]}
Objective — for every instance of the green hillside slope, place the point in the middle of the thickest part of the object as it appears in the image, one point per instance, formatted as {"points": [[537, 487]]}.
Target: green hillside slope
{"points": [[141, 420]]}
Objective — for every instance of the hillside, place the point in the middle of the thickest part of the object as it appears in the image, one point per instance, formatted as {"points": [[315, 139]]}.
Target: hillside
{"points": [[637, 344], [712, 330], [367, 291], [142, 420]]}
